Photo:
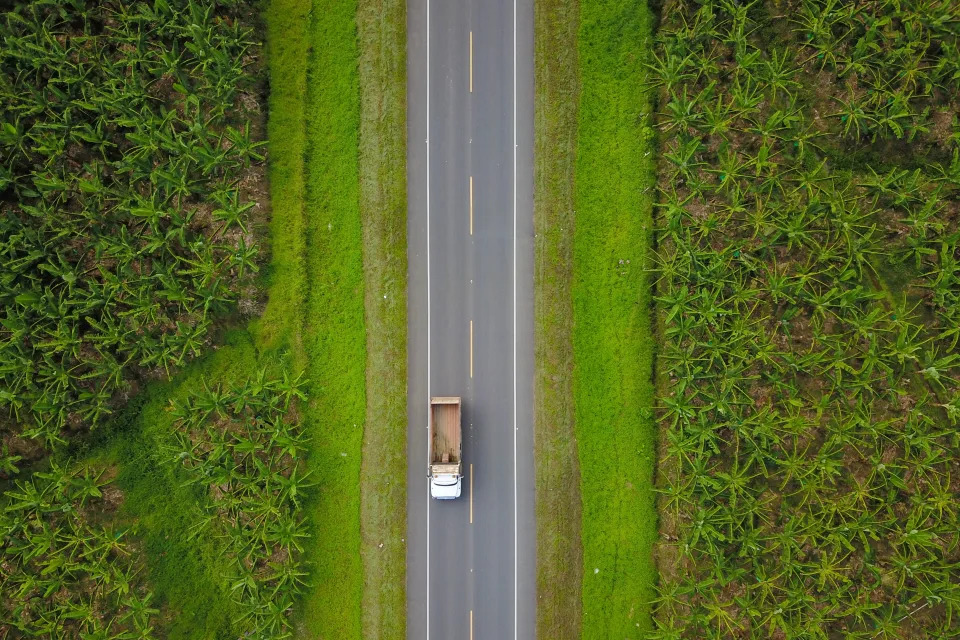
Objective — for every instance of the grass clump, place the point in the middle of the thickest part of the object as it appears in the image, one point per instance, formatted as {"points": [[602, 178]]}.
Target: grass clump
{"points": [[613, 337]]}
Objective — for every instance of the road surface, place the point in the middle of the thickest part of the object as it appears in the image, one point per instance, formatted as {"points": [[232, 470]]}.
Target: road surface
{"points": [[471, 561]]}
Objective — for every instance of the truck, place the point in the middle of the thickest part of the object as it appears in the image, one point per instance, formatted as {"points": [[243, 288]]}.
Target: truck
{"points": [[446, 468]]}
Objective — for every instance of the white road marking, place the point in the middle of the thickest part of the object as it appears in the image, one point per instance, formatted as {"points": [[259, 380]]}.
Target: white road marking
{"points": [[516, 594], [428, 317]]}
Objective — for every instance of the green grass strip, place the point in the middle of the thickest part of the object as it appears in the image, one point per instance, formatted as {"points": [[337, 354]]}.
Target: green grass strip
{"points": [[558, 508], [613, 337], [286, 48], [334, 334], [381, 27]]}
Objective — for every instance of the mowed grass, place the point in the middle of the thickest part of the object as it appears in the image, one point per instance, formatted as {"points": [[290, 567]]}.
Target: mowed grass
{"points": [[381, 29], [334, 336], [558, 512], [613, 337]]}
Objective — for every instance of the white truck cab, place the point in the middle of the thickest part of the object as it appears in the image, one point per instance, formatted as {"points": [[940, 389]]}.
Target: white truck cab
{"points": [[445, 487]]}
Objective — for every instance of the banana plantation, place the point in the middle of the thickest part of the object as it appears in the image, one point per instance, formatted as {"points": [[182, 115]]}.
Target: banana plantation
{"points": [[243, 448], [64, 573], [809, 300], [131, 174], [124, 215]]}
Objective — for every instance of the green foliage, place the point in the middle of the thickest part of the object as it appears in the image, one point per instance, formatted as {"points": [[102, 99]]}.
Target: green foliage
{"points": [[122, 223], [809, 304], [241, 445], [62, 574], [187, 572]]}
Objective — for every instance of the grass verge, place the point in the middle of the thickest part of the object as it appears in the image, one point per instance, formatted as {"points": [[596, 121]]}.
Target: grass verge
{"points": [[613, 336], [381, 31], [558, 509], [334, 333]]}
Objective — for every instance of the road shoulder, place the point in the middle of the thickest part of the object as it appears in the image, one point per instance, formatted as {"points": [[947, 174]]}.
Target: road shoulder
{"points": [[381, 30], [558, 507]]}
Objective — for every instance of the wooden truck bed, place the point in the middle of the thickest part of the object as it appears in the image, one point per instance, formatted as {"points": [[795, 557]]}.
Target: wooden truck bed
{"points": [[445, 429]]}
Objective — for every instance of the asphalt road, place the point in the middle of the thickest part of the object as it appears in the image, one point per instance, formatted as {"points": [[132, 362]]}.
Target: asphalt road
{"points": [[471, 561]]}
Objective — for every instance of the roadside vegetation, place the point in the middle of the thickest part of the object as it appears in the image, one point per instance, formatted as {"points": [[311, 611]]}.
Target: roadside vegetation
{"points": [[613, 336], [808, 207], [559, 551]]}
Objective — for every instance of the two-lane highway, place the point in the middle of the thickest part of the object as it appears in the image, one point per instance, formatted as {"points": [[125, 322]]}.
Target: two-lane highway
{"points": [[471, 561]]}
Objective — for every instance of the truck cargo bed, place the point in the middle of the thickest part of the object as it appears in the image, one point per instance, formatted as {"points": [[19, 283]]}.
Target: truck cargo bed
{"points": [[445, 430]]}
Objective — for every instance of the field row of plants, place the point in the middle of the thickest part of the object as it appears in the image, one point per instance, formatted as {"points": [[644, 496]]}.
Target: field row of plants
{"points": [[127, 168], [244, 447], [809, 280]]}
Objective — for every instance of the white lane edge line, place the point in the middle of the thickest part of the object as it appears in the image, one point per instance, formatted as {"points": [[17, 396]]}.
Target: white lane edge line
{"points": [[428, 317], [516, 594]]}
